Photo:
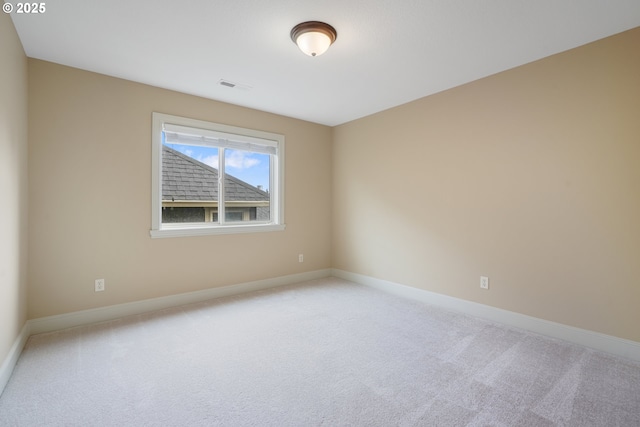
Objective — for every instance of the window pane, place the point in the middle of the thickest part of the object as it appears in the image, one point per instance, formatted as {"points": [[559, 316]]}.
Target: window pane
{"points": [[189, 183], [246, 186], [193, 160], [178, 214]]}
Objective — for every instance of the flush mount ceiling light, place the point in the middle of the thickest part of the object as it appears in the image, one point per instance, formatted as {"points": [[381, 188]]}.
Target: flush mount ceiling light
{"points": [[313, 37]]}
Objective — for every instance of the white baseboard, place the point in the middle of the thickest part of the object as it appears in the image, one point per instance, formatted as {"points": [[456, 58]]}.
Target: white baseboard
{"points": [[12, 358], [607, 343], [84, 317]]}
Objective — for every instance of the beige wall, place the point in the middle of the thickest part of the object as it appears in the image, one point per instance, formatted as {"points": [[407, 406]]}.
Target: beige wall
{"points": [[531, 177], [13, 186], [90, 184]]}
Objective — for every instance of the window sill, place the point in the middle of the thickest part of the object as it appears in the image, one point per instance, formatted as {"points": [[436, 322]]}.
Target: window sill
{"points": [[199, 230]]}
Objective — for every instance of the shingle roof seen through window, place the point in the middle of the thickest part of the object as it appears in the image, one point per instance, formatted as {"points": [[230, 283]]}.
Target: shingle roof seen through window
{"points": [[184, 178]]}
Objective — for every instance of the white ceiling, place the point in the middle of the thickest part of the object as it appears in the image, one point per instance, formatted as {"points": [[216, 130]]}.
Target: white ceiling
{"points": [[387, 52]]}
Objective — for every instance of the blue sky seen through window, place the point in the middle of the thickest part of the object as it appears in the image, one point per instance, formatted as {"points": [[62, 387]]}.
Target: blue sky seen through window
{"points": [[252, 168]]}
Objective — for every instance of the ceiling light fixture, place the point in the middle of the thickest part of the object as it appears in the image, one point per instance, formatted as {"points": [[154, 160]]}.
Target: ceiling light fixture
{"points": [[313, 37]]}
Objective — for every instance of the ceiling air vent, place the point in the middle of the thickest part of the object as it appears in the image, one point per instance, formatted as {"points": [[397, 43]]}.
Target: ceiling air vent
{"points": [[227, 83]]}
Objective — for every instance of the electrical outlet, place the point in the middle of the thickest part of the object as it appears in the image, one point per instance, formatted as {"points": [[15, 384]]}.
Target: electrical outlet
{"points": [[301, 258], [484, 282], [99, 285]]}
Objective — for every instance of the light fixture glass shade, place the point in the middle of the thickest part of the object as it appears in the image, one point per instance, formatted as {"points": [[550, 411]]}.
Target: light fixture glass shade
{"points": [[313, 37], [313, 43]]}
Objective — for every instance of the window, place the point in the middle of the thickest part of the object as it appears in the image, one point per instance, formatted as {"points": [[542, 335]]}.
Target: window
{"points": [[209, 178]]}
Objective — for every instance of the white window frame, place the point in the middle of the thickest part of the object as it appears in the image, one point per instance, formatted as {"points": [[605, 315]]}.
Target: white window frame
{"points": [[160, 122]]}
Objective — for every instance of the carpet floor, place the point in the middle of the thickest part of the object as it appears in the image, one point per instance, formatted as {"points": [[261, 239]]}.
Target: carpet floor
{"points": [[321, 353]]}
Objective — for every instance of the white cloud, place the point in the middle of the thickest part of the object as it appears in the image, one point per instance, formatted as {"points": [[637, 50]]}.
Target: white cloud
{"points": [[235, 159], [210, 160], [240, 160]]}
